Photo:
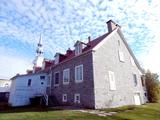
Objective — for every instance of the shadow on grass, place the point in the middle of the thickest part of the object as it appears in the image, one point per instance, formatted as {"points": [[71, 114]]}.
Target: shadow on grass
{"points": [[119, 109], [8, 109]]}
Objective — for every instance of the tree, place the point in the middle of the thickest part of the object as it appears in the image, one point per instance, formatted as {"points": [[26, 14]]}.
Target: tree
{"points": [[152, 86]]}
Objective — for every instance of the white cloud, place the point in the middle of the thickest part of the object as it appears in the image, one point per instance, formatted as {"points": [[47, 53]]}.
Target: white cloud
{"points": [[63, 22], [152, 59], [12, 64]]}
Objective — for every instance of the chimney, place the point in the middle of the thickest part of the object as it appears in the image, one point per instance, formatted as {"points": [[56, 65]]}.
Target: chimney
{"points": [[111, 26], [69, 51], [89, 38], [29, 71]]}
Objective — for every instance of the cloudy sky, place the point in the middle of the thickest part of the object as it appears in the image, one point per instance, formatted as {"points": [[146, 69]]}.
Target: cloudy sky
{"points": [[62, 22]]}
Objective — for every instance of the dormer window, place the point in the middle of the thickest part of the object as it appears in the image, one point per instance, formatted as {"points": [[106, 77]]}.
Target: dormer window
{"points": [[56, 58], [43, 65], [78, 48]]}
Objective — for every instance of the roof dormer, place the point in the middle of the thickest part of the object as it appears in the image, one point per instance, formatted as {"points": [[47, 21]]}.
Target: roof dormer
{"points": [[79, 47], [46, 63], [56, 57], [59, 58]]}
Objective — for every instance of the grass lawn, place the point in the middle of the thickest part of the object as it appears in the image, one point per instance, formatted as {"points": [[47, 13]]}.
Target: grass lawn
{"points": [[144, 112]]}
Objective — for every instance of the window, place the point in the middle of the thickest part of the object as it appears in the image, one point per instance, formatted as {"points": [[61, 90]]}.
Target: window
{"points": [[121, 56], [6, 85], [49, 81], [135, 79], [132, 61], [29, 82], [56, 58], [56, 78], [66, 76], [79, 73], [145, 94], [64, 98], [78, 49], [42, 83], [76, 98], [42, 77], [118, 42], [143, 81], [112, 82]]}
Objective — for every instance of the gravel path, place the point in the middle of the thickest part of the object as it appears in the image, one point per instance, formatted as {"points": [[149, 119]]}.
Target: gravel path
{"points": [[98, 112]]}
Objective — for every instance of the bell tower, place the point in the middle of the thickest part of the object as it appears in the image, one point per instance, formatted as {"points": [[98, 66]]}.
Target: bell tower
{"points": [[39, 54]]}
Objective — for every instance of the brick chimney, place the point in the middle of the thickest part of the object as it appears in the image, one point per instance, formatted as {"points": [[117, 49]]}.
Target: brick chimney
{"points": [[69, 51], [89, 38], [111, 25]]}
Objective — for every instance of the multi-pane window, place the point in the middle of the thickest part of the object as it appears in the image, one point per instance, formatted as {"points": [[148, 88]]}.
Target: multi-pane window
{"points": [[66, 76], [57, 58], [64, 97], [49, 81], [77, 98], [29, 82], [6, 85], [112, 81], [135, 79], [78, 49], [56, 78], [121, 56], [79, 73], [42, 77]]}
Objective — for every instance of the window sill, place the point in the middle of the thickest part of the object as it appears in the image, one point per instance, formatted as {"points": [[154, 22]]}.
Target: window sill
{"points": [[78, 81], [65, 83], [56, 85], [112, 90], [122, 61], [77, 102]]}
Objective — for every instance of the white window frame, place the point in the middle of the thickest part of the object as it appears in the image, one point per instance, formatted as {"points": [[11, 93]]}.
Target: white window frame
{"points": [[78, 49], [135, 79], [49, 81], [63, 98], [75, 98], [112, 81], [67, 71], [76, 67], [54, 79], [57, 59], [121, 56]]}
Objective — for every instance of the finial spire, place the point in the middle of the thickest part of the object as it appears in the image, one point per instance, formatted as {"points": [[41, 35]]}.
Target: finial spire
{"points": [[40, 40], [40, 47], [39, 54]]}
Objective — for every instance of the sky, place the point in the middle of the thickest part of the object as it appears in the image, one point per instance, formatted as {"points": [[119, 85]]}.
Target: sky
{"points": [[63, 22]]}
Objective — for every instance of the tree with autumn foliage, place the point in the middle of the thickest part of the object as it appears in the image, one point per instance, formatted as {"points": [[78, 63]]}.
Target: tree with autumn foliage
{"points": [[152, 86]]}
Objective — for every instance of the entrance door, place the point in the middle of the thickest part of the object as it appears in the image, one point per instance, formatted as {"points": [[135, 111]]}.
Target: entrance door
{"points": [[137, 99], [43, 87]]}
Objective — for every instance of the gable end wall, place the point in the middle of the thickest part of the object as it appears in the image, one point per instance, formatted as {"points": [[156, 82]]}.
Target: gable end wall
{"points": [[105, 59]]}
